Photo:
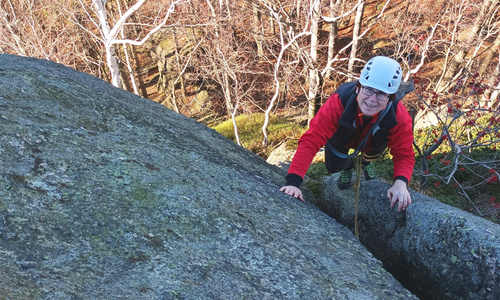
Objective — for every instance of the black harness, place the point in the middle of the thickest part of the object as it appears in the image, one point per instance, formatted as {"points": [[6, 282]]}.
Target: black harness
{"points": [[347, 124]]}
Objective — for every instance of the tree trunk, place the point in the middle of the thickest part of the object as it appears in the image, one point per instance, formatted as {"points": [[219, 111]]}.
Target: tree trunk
{"points": [[139, 73], [457, 60], [488, 56], [257, 23], [111, 59], [314, 74], [179, 69], [130, 69], [224, 76], [136, 73], [355, 35], [274, 25], [297, 11], [334, 12], [114, 68], [491, 95]]}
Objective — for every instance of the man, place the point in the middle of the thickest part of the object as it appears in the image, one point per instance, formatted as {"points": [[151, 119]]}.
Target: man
{"points": [[367, 116]]}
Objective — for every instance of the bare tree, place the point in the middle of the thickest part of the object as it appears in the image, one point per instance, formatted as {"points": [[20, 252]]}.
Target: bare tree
{"points": [[220, 63], [226, 60], [464, 47], [491, 95], [258, 55], [257, 29], [423, 52], [337, 57], [37, 28], [457, 132], [355, 35], [314, 96], [9, 19], [109, 34], [288, 39], [332, 35], [108, 38], [490, 53]]}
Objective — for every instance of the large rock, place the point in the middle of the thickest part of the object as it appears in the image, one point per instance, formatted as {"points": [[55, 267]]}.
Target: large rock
{"points": [[105, 195], [437, 251]]}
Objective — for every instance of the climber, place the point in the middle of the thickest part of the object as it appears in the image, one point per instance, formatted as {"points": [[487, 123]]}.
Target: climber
{"points": [[365, 115]]}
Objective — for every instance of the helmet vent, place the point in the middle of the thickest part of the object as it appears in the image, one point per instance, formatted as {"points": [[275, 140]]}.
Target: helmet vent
{"points": [[396, 76]]}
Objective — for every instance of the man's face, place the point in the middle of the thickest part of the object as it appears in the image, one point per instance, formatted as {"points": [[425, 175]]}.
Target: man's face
{"points": [[371, 101]]}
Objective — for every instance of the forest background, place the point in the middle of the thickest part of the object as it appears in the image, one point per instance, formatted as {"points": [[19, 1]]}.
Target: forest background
{"points": [[258, 70]]}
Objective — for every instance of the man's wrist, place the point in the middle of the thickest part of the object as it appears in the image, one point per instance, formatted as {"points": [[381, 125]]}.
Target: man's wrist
{"points": [[402, 178], [293, 180]]}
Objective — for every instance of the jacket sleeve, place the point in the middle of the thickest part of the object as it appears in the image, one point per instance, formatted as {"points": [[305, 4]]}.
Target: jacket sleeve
{"points": [[400, 142], [321, 128]]}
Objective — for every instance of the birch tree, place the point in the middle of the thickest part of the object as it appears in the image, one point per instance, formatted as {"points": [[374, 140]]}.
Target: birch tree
{"points": [[109, 33], [108, 38], [287, 39]]}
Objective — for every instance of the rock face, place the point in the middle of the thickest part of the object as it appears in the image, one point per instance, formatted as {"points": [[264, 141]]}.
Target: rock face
{"points": [[169, 46], [105, 195], [438, 251]]}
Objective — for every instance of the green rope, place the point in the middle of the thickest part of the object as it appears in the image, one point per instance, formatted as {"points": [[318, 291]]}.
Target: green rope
{"points": [[358, 167], [357, 185]]}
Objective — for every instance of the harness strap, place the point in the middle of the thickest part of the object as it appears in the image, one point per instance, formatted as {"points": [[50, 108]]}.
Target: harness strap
{"points": [[365, 139], [374, 157]]}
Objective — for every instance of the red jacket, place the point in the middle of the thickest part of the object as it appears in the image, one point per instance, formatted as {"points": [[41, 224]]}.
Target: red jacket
{"points": [[325, 124]]}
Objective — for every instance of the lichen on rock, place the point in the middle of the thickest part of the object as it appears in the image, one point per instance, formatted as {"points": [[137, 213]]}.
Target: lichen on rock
{"points": [[106, 194]]}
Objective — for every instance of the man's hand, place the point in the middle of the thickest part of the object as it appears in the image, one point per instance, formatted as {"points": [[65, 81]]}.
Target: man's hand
{"points": [[293, 191], [399, 193]]}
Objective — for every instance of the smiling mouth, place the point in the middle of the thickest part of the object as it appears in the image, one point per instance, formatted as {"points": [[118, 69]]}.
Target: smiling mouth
{"points": [[370, 105]]}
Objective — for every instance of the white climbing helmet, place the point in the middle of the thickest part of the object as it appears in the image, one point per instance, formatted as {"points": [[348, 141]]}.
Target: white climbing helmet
{"points": [[382, 73]]}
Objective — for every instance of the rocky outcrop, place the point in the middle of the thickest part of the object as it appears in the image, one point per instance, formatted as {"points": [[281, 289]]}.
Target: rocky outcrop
{"points": [[104, 194], [437, 251], [166, 47]]}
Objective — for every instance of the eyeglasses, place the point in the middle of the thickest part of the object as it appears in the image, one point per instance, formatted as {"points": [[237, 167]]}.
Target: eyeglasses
{"points": [[381, 96]]}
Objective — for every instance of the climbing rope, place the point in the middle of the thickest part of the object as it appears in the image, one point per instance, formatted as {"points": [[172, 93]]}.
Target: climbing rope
{"points": [[356, 187]]}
